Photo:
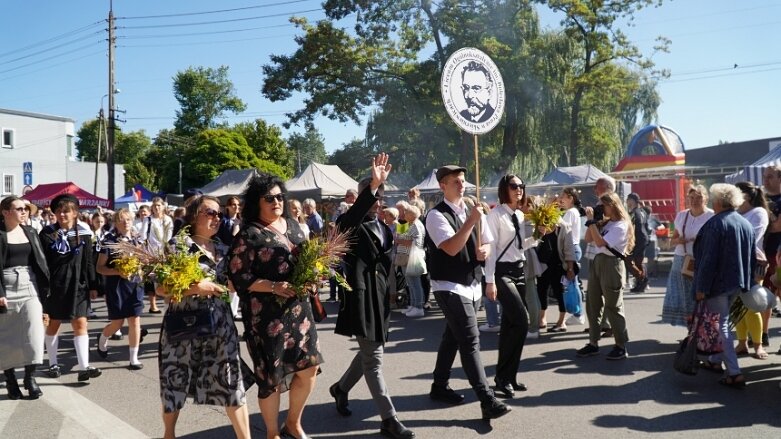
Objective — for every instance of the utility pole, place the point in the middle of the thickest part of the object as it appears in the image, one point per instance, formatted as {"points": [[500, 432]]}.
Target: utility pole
{"points": [[111, 106], [100, 140]]}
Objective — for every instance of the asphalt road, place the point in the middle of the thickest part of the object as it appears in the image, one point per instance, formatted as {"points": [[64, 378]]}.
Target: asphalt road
{"points": [[568, 397]]}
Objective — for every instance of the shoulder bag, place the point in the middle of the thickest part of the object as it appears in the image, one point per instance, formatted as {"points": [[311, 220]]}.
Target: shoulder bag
{"points": [[191, 324]]}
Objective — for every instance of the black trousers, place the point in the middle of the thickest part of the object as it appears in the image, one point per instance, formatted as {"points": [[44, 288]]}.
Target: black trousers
{"points": [[460, 336], [510, 286]]}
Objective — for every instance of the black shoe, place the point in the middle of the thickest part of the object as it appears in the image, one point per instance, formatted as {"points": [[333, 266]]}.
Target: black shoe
{"points": [[285, 434], [587, 351], [392, 427], [13, 389], [340, 396], [33, 390], [493, 408], [54, 371], [765, 340], [504, 389], [519, 387], [138, 366], [144, 333], [445, 394], [618, 353], [116, 336], [332, 299], [90, 372], [101, 354]]}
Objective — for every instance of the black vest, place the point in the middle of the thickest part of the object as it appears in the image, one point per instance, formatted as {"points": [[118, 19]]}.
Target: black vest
{"points": [[463, 268]]}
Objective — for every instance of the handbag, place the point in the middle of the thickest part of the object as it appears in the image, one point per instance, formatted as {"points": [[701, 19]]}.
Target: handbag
{"points": [[572, 298], [318, 310], [416, 264], [686, 360], [190, 324], [706, 324], [687, 269]]}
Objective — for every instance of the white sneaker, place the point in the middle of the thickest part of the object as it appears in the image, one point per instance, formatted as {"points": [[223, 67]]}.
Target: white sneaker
{"points": [[407, 309], [415, 312], [576, 320], [485, 327], [533, 335]]}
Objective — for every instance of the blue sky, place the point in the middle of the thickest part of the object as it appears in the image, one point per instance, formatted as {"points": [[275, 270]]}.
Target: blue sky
{"points": [[706, 100]]}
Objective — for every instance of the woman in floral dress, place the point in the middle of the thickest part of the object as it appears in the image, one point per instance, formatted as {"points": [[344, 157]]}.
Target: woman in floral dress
{"points": [[281, 335]]}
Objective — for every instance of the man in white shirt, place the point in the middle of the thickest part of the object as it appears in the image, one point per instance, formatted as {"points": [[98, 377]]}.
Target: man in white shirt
{"points": [[456, 268]]}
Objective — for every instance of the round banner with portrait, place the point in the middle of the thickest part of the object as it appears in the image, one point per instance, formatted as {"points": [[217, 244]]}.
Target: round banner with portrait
{"points": [[473, 91]]}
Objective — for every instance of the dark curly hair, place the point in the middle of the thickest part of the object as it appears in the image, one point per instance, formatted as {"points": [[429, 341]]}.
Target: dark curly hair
{"points": [[504, 184], [257, 187], [573, 193]]}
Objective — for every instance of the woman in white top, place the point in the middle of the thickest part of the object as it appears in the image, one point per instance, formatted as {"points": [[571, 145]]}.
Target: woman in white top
{"points": [[504, 277], [569, 201], [413, 239], [614, 237], [754, 210], [156, 230], [679, 298]]}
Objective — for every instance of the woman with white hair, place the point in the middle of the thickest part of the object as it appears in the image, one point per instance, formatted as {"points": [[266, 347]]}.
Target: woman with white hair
{"points": [[724, 260], [413, 239]]}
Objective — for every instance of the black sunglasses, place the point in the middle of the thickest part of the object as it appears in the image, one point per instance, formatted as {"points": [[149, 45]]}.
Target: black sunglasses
{"points": [[271, 198], [516, 186], [21, 209], [212, 213]]}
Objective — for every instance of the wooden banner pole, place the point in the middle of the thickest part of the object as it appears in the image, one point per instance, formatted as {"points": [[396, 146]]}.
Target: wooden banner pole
{"points": [[477, 192]]}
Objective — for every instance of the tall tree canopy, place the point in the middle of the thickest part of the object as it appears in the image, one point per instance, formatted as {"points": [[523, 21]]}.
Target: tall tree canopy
{"points": [[307, 148], [390, 63], [204, 94]]}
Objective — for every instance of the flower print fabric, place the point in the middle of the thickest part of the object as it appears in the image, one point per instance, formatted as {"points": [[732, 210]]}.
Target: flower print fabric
{"points": [[281, 339]]}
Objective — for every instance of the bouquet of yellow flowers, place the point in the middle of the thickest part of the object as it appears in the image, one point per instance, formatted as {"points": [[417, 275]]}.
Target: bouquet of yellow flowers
{"points": [[545, 215], [315, 260], [175, 269]]}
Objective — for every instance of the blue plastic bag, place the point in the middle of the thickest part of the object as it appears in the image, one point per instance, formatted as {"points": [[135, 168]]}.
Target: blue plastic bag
{"points": [[572, 298]]}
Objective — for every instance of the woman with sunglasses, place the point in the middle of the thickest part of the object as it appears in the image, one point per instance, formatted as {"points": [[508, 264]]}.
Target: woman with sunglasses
{"points": [[280, 330], [209, 368], [505, 280], [613, 237], [23, 285], [67, 245]]}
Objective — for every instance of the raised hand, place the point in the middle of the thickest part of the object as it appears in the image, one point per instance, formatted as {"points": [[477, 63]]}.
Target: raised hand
{"points": [[380, 170]]}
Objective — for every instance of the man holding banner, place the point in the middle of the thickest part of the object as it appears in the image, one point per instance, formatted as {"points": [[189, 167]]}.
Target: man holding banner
{"points": [[456, 268]]}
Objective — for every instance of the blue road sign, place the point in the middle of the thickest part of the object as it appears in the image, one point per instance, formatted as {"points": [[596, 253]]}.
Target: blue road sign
{"points": [[28, 167], [28, 178]]}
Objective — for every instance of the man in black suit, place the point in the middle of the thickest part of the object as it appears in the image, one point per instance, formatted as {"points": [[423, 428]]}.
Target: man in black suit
{"points": [[476, 84], [365, 311]]}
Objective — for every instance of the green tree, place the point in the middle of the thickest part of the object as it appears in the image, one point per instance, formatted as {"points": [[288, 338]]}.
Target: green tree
{"points": [[204, 94], [268, 144], [307, 148], [129, 150], [353, 158]]}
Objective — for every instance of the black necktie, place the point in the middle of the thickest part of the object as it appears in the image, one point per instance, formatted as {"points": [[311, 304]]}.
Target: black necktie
{"points": [[517, 227], [374, 226]]}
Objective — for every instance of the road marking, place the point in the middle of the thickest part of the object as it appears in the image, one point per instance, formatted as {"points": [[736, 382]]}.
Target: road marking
{"points": [[81, 412]]}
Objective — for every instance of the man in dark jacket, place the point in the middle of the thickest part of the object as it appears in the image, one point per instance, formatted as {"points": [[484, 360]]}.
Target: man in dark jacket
{"points": [[634, 260], [365, 312]]}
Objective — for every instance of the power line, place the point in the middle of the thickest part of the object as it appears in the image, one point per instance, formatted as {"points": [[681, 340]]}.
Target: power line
{"points": [[87, 46], [195, 34], [55, 65], [232, 20], [54, 38], [184, 14], [723, 75], [54, 47], [198, 43]]}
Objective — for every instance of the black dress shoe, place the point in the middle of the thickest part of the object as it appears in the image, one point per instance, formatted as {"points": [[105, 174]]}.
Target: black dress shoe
{"points": [[392, 427], [445, 394], [284, 433], [101, 354], [13, 389], [340, 396], [89, 372], [137, 366], [519, 387], [504, 389], [493, 408], [144, 333], [33, 390]]}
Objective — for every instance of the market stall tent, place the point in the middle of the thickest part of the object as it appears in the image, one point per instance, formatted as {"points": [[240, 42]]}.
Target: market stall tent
{"points": [[320, 182], [43, 194], [430, 184], [230, 182], [136, 194]]}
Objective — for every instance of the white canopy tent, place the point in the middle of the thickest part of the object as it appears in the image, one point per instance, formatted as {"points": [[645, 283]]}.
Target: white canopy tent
{"points": [[230, 182], [431, 185], [753, 172], [320, 182]]}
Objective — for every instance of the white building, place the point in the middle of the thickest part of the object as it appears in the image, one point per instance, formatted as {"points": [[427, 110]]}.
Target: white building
{"points": [[38, 148]]}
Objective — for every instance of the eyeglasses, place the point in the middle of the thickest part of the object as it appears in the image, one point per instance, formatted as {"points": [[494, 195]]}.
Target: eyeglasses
{"points": [[271, 198], [516, 186], [212, 213]]}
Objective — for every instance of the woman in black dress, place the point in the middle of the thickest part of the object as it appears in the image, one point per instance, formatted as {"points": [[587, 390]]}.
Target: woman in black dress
{"points": [[124, 297], [281, 338], [67, 245], [24, 282]]}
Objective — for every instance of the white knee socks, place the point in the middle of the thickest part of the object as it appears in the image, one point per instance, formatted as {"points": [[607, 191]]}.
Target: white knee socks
{"points": [[234, 303], [134, 355], [52, 344], [81, 343], [102, 342]]}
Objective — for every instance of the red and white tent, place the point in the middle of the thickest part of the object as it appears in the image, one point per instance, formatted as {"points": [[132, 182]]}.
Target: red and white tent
{"points": [[43, 194]]}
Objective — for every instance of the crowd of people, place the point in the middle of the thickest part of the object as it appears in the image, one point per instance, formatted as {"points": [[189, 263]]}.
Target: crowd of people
{"points": [[460, 255]]}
